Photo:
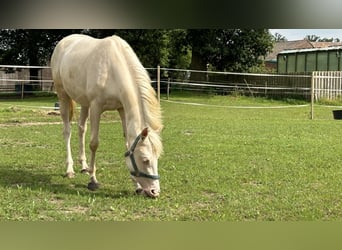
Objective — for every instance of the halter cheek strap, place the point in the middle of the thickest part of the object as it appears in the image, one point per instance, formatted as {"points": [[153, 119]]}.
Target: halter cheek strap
{"points": [[130, 154]]}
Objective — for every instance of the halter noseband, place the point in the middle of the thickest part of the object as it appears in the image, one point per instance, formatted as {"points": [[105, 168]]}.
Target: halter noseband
{"points": [[130, 154]]}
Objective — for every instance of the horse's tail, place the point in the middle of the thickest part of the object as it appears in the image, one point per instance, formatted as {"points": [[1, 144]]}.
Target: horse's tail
{"points": [[72, 106]]}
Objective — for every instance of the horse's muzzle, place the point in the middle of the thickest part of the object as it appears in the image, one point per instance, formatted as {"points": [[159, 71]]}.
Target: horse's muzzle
{"points": [[153, 193]]}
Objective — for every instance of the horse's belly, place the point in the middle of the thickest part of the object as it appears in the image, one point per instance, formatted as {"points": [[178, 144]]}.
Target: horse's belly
{"points": [[111, 107], [76, 93], [111, 102]]}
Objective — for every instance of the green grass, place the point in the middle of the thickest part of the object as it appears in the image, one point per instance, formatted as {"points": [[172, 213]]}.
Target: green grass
{"points": [[220, 164]]}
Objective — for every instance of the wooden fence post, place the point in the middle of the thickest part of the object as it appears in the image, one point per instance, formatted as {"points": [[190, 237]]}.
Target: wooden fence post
{"points": [[312, 94], [22, 90], [168, 88], [158, 83]]}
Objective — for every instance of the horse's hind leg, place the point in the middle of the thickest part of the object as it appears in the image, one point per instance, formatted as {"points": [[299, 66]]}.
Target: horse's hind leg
{"points": [[66, 110], [82, 128]]}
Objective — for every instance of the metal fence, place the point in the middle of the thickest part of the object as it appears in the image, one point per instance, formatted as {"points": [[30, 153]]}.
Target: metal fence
{"points": [[25, 80], [19, 81], [224, 83]]}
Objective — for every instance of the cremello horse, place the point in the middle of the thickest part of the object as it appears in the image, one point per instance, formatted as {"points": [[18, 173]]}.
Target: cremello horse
{"points": [[105, 74]]}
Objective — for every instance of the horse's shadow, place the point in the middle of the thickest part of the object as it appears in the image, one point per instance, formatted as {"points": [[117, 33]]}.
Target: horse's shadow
{"points": [[24, 178]]}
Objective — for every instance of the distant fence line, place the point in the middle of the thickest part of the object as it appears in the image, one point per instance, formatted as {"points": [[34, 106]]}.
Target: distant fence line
{"points": [[270, 85], [17, 80], [322, 84]]}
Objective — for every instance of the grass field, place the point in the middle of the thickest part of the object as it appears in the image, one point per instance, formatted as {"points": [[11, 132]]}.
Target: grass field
{"points": [[220, 163]]}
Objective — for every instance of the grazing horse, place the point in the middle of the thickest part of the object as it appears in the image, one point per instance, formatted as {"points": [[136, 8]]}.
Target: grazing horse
{"points": [[105, 74]]}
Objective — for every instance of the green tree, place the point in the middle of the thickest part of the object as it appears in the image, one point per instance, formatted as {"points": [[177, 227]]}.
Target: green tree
{"points": [[229, 49], [28, 47], [34, 47], [221, 49], [279, 37], [149, 45], [204, 47], [312, 38], [179, 49]]}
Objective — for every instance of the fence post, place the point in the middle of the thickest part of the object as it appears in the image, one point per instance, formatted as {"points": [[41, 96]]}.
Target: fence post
{"points": [[168, 88], [312, 94], [22, 90], [158, 82]]}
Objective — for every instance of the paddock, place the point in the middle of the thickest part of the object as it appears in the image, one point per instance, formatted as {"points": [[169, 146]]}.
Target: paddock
{"points": [[220, 164]]}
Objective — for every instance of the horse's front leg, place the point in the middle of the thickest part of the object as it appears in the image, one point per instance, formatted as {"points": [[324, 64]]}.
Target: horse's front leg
{"points": [[138, 188], [82, 128], [95, 114], [123, 122]]}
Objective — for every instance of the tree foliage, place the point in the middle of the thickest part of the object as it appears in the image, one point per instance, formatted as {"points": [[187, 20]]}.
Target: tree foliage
{"points": [[279, 37], [229, 49], [28, 47], [149, 45], [314, 38], [221, 49]]}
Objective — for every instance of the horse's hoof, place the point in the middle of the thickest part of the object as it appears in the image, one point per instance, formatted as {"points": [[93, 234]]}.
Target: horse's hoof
{"points": [[85, 171], [93, 186], [69, 175]]}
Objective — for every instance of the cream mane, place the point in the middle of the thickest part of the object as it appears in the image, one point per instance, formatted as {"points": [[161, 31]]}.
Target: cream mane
{"points": [[150, 105]]}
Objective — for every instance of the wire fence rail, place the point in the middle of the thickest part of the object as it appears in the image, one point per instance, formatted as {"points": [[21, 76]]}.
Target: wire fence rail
{"points": [[20, 81], [225, 83], [15, 79]]}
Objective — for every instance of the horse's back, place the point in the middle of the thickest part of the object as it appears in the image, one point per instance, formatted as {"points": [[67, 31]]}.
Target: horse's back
{"points": [[68, 47], [64, 50], [87, 68]]}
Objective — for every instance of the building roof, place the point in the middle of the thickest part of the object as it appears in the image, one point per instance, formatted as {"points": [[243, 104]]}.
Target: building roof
{"points": [[283, 46], [312, 49], [326, 44]]}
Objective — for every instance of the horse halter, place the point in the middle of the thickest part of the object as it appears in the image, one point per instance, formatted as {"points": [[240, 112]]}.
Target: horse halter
{"points": [[130, 154]]}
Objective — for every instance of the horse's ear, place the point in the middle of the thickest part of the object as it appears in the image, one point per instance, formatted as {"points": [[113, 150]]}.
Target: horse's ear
{"points": [[144, 133]]}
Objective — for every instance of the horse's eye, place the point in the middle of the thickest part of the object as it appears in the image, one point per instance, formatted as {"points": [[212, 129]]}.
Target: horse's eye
{"points": [[146, 161]]}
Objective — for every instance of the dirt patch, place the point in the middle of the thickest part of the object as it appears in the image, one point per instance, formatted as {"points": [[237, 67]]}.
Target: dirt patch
{"points": [[20, 124]]}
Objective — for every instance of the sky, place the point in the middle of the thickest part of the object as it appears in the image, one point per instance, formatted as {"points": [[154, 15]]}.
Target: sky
{"points": [[298, 34]]}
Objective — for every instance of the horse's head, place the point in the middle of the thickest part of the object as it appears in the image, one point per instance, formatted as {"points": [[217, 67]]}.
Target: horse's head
{"points": [[142, 161]]}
